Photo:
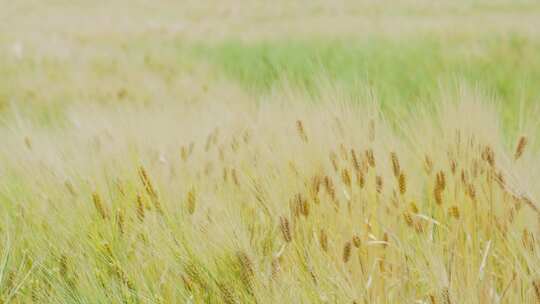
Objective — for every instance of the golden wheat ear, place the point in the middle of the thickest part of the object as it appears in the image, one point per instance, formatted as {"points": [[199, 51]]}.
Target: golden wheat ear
{"points": [[98, 204], [520, 148], [402, 181], [536, 286], [346, 252], [395, 164], [285, 229], [301, 131], [323, 240]]}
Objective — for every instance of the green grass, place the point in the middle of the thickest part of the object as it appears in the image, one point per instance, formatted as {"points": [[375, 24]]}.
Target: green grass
{"points": [[399, 72]]}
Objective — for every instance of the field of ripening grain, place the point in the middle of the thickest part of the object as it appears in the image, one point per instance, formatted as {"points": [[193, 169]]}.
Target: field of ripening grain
{"points": [[227, 151]]}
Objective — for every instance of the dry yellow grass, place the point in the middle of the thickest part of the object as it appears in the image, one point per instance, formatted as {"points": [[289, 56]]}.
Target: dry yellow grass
{"points": [[141, 215]]}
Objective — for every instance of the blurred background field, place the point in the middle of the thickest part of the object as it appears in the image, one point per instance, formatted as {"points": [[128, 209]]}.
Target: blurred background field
{"points": [[57, 53]]}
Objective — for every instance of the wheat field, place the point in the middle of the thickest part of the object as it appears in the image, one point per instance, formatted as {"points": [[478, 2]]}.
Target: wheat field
{"points": [[254, 152]]}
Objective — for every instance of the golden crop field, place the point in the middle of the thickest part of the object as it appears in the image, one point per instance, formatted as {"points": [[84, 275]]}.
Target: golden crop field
{"points": [[269, 152]]}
